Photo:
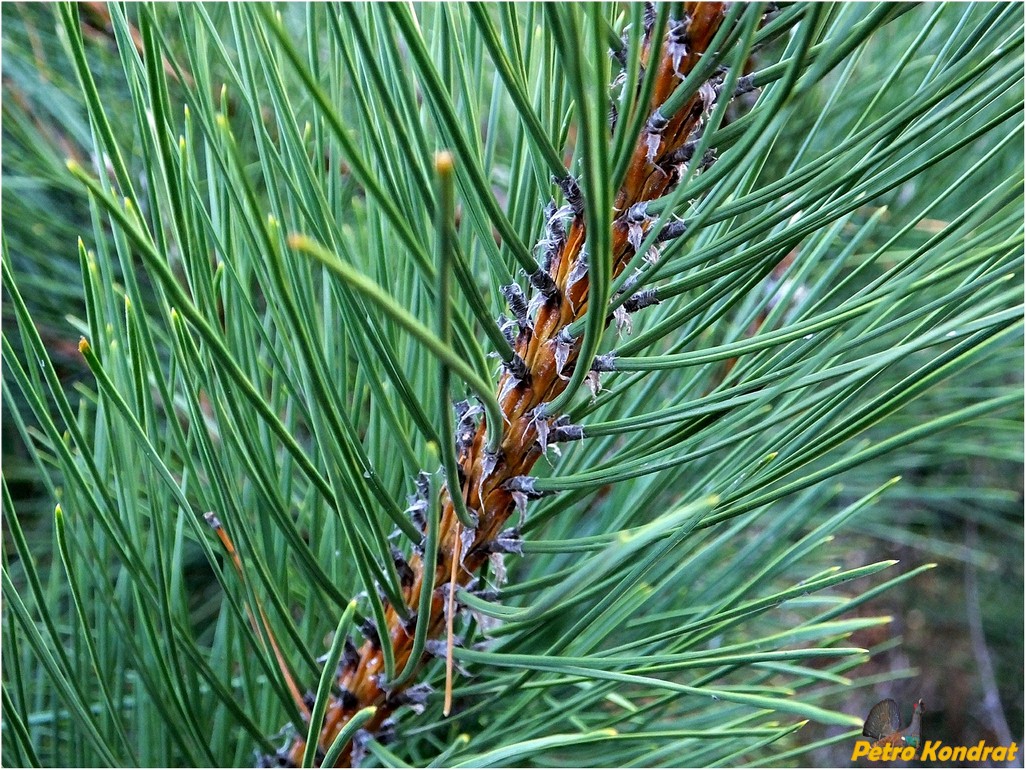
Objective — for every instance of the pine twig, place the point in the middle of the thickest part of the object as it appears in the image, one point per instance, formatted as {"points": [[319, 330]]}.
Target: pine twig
{"points": [[497, 484]]}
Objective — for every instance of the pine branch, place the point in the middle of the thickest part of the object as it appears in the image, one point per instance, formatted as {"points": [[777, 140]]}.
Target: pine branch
{"points": [[496, 484], [841, 307]]}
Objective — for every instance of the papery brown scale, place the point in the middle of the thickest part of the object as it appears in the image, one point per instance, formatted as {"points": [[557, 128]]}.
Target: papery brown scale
{"points": [[574, 241]]}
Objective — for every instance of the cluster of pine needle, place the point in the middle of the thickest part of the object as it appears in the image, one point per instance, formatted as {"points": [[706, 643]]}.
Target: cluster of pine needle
{"points": [[693, 308], [495, 480]]}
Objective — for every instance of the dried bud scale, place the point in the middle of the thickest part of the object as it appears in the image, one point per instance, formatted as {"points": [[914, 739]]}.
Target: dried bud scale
{"points": [[671, 230], [386, 733], [548, 211], [359, 747], [650, 17], [507, 541], [568, 433], [654, 134], [641, 300], [623, 321], [676, 43], [517, 303], [542, 281], [350, 656], [370, 632], [402, 568], [498, 564], [572, 193], [506, 328]]}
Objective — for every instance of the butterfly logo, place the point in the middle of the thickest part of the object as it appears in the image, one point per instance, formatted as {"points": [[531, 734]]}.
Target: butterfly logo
{"points": [[883, 725]]}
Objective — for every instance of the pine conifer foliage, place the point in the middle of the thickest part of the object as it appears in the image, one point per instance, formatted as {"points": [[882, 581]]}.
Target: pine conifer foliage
{"points": [[470, 384]]}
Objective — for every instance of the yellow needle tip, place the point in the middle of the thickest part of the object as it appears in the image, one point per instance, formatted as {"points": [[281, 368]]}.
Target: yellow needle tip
{"points": [[444, 162]]}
